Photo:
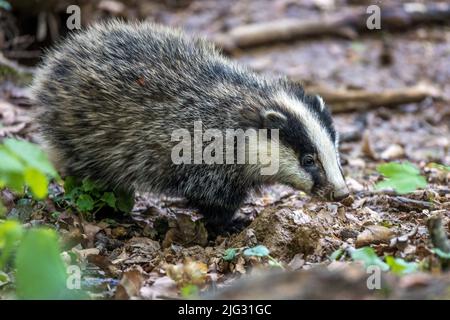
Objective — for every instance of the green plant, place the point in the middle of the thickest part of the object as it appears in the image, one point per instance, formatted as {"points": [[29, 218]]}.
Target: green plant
{"points": [[258, 251], [397, 266], [88, 197], [34, 257], [24, 164], [439, 166], [230, 254], [400, 266], [402, 177], [368, 256]]}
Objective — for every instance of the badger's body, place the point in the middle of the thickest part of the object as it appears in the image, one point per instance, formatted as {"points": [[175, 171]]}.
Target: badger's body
{"points": [[112, 96]]}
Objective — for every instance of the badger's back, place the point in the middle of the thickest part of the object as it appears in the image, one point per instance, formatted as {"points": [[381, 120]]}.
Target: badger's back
{"points": [[111, 96]]}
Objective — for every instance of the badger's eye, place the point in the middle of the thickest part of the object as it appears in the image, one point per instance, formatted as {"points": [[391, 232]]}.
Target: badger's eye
{"points": [[308, 161]]}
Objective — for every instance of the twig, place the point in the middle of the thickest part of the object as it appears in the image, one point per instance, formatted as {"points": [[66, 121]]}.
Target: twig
{"points": [[409, 204], [344, 100], [346, 24]]}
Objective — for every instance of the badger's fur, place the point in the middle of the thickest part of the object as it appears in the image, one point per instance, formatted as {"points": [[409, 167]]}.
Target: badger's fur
{"points": [[112, 95]]}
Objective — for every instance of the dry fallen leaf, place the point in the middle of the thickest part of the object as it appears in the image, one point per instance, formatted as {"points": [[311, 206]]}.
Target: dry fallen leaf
{"points": [[162, 287], [105, 264], [130, 285], [187, 232], [394, 151], [367, 148], [188, 273], [373, 235], [84, 253], [90, 230]]}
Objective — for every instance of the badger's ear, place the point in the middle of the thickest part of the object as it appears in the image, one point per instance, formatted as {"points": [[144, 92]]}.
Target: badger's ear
{"points": [[272, 119], [263, 118], [321, 104]]}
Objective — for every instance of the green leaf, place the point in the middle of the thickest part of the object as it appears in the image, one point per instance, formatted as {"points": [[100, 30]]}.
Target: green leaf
{"points": [[2, 210], [4, 278], [441, 254], [70, 183], [275, 263], [399, 266], [10, 163], [368, 256], [258, 251], [31, 155], [125, 201], [110, 199], [336, 254], [229, 254], [85, 203], [41, 273], [189, 291], [392, 169], [402, 177], [11, 171], [37, 181], [88, 185], [12, 180], [10, 234]]}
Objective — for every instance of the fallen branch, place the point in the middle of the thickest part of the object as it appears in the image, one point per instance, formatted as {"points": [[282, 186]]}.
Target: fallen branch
{"points": [[343, 100], [409, 204], [345, 24]]}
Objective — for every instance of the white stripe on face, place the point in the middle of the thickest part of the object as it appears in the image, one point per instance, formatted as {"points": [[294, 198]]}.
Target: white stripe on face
{"points": [[327, 152]]}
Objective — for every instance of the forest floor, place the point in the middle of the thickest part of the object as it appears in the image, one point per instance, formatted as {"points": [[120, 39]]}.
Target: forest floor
{"points": [[163, 246]]}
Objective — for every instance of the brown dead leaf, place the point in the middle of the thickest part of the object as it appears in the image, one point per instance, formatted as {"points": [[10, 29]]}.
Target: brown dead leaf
{"points": [[297, 262], [105, 264], [188, 273], [186, 232], [162, 287], [373, 235], [240, 265], [394, 151], [367, 148], [70, 238], [90, 230], [84, 253], [119, 232], [130, 285], [111, 6]]}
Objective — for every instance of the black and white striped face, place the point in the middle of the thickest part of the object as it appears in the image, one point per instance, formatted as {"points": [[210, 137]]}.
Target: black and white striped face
{"points": [[309, 157]]}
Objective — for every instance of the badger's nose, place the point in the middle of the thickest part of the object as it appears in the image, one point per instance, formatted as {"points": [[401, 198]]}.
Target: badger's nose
{"points": [[340, 194]]}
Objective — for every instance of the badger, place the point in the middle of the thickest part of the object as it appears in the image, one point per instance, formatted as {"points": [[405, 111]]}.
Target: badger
{"points": [[111, 96]]}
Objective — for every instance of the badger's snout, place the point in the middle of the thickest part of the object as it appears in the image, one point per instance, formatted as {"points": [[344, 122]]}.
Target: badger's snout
{"points": [[339, 194]]}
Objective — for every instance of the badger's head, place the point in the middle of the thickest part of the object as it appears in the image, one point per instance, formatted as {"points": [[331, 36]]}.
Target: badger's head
{"points": [[308, 143]]}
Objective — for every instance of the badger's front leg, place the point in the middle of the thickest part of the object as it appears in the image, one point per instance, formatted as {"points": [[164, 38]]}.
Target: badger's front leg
{"points": [[220, 219], [218, 205]]}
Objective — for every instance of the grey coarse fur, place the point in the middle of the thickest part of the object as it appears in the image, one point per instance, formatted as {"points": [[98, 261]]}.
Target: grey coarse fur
{"points": [[111, 96]]}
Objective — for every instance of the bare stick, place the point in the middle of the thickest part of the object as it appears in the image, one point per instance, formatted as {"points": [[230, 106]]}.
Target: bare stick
{"points": [[343, 100], [346, 24]]}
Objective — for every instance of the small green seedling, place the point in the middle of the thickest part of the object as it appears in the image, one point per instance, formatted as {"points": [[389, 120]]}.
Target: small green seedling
{"points": [[368, 256], [24, 164], [402, 177], [257, 251], [88, 197]]}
